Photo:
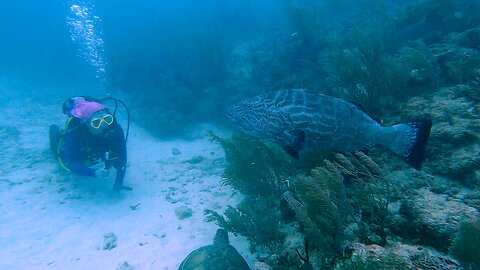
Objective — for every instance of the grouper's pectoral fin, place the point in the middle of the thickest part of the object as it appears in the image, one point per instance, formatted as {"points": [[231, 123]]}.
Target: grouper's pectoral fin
{"points": [[296, 142], [292, 152]]}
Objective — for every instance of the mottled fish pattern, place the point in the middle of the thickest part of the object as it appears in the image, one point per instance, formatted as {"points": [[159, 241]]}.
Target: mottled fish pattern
{"points": [[297, 119]]}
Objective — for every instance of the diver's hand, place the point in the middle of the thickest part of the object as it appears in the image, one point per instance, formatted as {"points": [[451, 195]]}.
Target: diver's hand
{"points": [[102, 173]]}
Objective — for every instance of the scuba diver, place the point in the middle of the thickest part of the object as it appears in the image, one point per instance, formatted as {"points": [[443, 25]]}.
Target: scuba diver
{"points": [[91, 136]]}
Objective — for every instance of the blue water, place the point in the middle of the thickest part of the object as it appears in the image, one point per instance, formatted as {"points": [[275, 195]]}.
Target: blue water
{"points": [[50, 40], [36, 36]]}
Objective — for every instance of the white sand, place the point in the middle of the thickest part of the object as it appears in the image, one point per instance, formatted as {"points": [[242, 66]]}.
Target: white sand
{"points": [[50, 219]]}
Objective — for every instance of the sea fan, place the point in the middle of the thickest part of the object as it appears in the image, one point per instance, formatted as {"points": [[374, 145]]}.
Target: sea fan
{"points": [[253, 219], [253, 167], [324, 197]]}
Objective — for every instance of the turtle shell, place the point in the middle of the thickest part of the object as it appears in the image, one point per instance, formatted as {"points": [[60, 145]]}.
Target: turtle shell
{"points": [[219, 255]]}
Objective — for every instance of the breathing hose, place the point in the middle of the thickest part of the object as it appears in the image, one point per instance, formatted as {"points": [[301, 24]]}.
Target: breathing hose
{"points": [[116, 100]]}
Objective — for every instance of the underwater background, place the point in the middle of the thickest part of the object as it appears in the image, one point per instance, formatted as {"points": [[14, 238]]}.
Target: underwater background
{"points": [[179, 64]]}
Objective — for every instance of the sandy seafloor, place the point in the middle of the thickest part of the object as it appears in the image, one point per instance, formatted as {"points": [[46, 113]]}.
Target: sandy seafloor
{"points": [[50, 219]]}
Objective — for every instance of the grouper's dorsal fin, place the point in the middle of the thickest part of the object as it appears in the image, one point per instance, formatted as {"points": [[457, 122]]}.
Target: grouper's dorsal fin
{"points": [[361, 108], [296, 141]]}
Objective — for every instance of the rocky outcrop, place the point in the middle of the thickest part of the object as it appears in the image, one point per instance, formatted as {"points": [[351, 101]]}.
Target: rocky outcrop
{"points": [[398, 256], [432, 219], [453, 149], [473, 199]]}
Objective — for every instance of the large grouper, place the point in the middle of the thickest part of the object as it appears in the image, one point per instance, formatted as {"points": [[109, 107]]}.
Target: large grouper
{"points": [[297, 119]]}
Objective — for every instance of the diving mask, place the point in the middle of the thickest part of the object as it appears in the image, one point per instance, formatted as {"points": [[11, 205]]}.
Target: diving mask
{"points": [[97, 122]]}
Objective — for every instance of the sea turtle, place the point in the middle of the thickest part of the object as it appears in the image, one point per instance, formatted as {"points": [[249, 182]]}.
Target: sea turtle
{"points": [[219, 255]]}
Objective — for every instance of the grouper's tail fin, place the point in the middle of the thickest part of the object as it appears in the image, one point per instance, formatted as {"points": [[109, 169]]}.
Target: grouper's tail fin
{"points": [[408, 140]]}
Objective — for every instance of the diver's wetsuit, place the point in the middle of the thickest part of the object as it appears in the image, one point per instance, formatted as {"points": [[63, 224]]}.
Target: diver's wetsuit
{"points": [[81, 149]]}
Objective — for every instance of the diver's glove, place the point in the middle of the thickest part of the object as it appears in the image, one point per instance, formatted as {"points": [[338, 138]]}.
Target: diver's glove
{"points": [[102, 173]]}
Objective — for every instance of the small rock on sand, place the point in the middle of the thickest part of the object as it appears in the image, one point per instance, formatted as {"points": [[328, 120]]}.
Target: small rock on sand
{"points": [[195, 160], [183, 212], [125, 266], [109, 241]]}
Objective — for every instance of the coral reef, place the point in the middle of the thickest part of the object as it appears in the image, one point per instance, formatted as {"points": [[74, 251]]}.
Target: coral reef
{"points": [[458, 64], [344, 214], [347, 199], [359, 73], [349, 189], [417, 62], [397, 256], [360, 256], [360, 68]]}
